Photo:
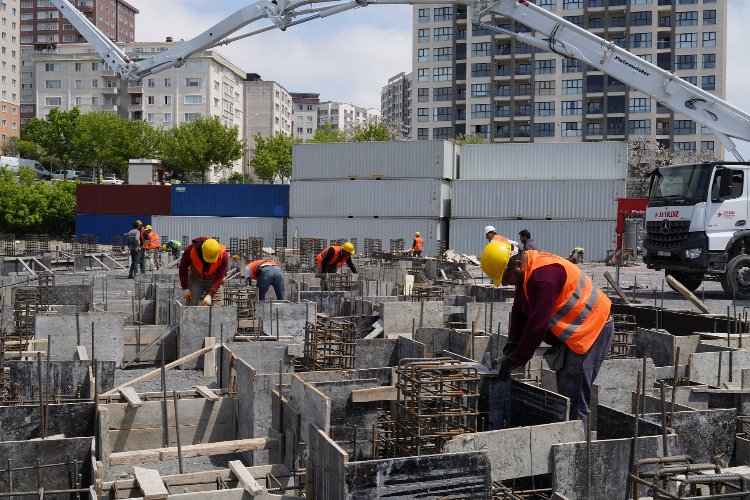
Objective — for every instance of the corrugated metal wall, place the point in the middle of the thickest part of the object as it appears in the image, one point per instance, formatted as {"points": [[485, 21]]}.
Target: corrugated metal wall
{"points": [[556, 236], [586, 160], [107, 226], [384, 229], [389, 160], [370, 198], [540, 199], [221, 227], [122, 200], [230, 200]]}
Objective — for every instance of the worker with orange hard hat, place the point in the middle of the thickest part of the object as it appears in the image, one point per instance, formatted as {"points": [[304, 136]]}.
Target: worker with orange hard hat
{"points": [[203, 268]]}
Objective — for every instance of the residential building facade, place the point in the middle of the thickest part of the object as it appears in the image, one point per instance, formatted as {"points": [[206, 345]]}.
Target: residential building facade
{"points": [[268, 111], [305, 114], [469, 80], [342, 115], [42, 23], [395, 103], [10, 66]]}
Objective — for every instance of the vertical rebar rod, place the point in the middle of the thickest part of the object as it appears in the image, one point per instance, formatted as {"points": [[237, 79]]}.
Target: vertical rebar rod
{"points": [[630, 482], [277, 323], [664, 451], [674, 385], [48, 384], [177, 431], [165, 403], [41, 393], [588, 459], [78, 325]]}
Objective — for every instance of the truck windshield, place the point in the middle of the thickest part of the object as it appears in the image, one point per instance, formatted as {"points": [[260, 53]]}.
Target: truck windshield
{"points": [[679, 185]]}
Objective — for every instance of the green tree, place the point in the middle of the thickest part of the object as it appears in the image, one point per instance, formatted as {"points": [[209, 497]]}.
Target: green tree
{"points": [[18, 147], [326, 133], [273, 156], [55, 134], [372, 132], [470, 139], [193, 147], [237, 178]]}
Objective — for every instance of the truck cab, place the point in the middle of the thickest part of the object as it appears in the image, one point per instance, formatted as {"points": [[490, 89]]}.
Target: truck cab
{"points": [[697, 225]]}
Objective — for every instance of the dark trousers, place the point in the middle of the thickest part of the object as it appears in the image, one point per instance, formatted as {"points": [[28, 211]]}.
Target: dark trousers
{"points": [[417, 253], [142, 260], [579, 371], [134, 258], [270, 276]]}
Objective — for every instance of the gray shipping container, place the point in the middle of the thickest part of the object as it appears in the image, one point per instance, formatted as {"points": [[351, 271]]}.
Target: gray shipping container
{"points": [[361, 228], [556, 236], [370, 198], [539, 199], [584, 160], [221, 227], [387, 160]]}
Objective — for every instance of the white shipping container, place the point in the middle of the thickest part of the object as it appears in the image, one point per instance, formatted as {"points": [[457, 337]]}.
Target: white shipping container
{"points": [[223, 228], [370, 198], [387, 160], [361, 228], [584, 160], [539, 199], [556, 236]]}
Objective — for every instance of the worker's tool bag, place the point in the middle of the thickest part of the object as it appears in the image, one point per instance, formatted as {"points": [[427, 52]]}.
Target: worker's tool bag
{"points": [[555, 356]]}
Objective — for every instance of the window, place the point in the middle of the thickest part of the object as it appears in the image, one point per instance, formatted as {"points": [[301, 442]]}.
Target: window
{"points": [[151, 117], [480, 69], [572, 66], [423, 95], [52, 67], [95, 66], [424, 15], [709, 61], [151, 100], [53, 101], [95, 101], [95, 84], [685, 41], [423, 75], [503, 90], [708, 82], [77, 101], [544, 108], [640, 40], [544, 129], [523, 89], [422, 134], [692, 80], [686, 61], [167, 82], [480, 49], [151, 83], [480, 90], [502, 110], [423, 55], [640, 127], [167, 100], [443, 54], [192, 82], [167, 117], [640, 2], [77, 66], [640, 105], [707, 146], [480, 111], [689, 18], [442, 133], [640, 18], [577, 20], [423, 35], [570, 129], [423, 114], [443, 14], [572, 108], [684, 127], [544, 87], [191, 117], [523, 110], [442, 74], [442, 114], [52, 84], [547, 4], [545, 66], [443, 34], [709, 39], [572, 4], [685, 148], [709, 17], [479, 30], [572, 86]]}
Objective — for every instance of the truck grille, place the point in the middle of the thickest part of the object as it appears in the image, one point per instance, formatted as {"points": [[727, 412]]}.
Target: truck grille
{"points": [[672, 239]]}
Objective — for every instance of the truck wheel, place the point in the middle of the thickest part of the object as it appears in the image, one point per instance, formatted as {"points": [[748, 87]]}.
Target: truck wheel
{"points": [[689, 281], [736, 281]]}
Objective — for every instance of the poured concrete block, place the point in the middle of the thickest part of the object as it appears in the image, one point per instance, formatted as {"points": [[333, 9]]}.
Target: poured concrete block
{"points": [[661, 346], [313, 405], [199, 322], [66, 377], [287, 319], [617, 379], [109, 335], [400, 317], [704, 367], [493, 315], [263, 357]]}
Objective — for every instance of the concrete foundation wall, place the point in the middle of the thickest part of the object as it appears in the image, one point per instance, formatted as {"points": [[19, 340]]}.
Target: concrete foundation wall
{"points": [[109, 335], [197, 323], [291, 318], [66, 378], [18, 423]]}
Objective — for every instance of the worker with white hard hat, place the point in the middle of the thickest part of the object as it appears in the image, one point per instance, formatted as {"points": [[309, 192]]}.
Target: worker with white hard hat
{"points": [[491, 234]]}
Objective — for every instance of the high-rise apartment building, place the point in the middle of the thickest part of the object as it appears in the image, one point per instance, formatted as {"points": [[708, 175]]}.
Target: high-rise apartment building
{"points": [[10, 66], [468, 80], [42, 23], [342, 115], [395, 103], [305, 117]]}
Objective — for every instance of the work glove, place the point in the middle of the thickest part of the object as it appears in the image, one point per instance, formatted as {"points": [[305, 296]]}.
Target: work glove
{"points": [[506, 367], [509, 346], [206, 300], [188, 295]]}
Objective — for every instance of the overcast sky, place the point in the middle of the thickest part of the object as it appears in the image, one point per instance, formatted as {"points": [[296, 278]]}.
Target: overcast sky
{"points": [[348, 57]]}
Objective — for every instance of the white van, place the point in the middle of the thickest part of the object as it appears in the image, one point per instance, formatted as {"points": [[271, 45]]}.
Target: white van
{"points": [[13, 164]]}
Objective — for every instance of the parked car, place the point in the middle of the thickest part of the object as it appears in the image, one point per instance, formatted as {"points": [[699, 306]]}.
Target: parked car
{"points": [[65, 174], [13, 164], [111, 179], [85, 178]]}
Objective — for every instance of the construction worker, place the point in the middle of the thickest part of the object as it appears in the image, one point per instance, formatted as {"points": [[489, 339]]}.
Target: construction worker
{"points": [[203, 268], [267, 273], [172, 246], [331, 258], [133, 240], [418, 245], [142, 252], [526, 242], [576, 255], [490, 233], [151, 245], [557, 303]]}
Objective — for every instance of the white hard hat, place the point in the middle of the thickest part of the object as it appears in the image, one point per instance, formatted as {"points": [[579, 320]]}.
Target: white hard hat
{"points": [[487, 229]]}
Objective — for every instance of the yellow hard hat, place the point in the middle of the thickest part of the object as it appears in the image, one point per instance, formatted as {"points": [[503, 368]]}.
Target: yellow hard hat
{"points": [[139, 222], [235, 258], [164, 246], [210, 250], [348, 247], [416, 234], [148, 228], [495, 259]]}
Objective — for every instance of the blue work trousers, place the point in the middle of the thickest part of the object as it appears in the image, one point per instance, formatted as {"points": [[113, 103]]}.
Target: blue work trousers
{"points": [[134, 258], [270, 276], [579, 371]]}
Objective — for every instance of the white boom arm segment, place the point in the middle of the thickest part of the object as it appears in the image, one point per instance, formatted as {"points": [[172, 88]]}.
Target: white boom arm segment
{"points": [[562, 37]]}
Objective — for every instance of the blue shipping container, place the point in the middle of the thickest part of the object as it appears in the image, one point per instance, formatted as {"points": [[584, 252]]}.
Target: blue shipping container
{"points": [[230, 200], [107, 226]]}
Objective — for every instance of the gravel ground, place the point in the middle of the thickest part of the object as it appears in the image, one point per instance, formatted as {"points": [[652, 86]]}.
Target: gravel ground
{"points": [[169, 467], [176, 379]]}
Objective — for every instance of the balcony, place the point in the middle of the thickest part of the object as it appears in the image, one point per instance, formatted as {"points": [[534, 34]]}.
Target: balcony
{"points": [[107, 73], [110, 90], [135, 89]]}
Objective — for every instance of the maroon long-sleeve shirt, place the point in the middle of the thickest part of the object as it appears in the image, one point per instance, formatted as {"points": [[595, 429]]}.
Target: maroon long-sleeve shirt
{"points": [[186, 260], [530, 316]]}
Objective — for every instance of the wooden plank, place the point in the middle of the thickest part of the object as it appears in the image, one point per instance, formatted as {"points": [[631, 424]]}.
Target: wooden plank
{"points": [[132, 397], [676, 285], [150, 483], [209, 360], [27, 267], [192, 450], [200, 478], [41, 265], [99, 261], [206, 393], [616, 288], [245, 478], [81, 353], [386, 393]]}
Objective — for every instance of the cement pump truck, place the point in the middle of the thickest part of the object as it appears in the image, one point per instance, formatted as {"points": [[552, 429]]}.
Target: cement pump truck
{"points": [[696, 219]]}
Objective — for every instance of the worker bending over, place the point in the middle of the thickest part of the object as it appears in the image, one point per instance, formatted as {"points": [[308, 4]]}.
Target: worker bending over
{"points": [[417, 246], [576, 255], [557, 303], [203, 268], [173, 247], [331, 258], [267, 273]]}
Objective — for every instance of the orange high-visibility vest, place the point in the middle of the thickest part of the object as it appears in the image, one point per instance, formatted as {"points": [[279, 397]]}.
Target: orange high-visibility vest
{"points": [[336, 254], [154, 241], [141, 231], [581, 309], [196, 264], [257, 264], [418, 244], [500, 239]]}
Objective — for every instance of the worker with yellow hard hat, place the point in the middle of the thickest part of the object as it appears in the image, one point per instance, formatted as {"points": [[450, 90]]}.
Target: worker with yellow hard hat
{"points": [[417, 245], [203, 268], [151, 245], [333, 257], [557, 303]]}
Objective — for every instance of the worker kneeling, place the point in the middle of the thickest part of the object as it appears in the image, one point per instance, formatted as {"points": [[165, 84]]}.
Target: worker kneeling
{"points": [[558, 304], [267, 273], [333, 257], [203, 268]]}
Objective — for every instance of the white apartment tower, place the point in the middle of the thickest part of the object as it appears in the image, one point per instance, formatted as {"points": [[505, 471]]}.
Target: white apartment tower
{"points": [[395, 103], [10, 67], [342, 115], [468, 80], [305, 114]]}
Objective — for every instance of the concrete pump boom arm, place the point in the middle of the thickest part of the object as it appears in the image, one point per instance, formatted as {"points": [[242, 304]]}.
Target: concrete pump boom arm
{"points": [[562, 37]]}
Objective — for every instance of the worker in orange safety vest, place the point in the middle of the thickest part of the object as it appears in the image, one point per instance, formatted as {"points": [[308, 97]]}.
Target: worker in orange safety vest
{"points": [[333, 257], [417, 246], [203, 268], [266, 273]]}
